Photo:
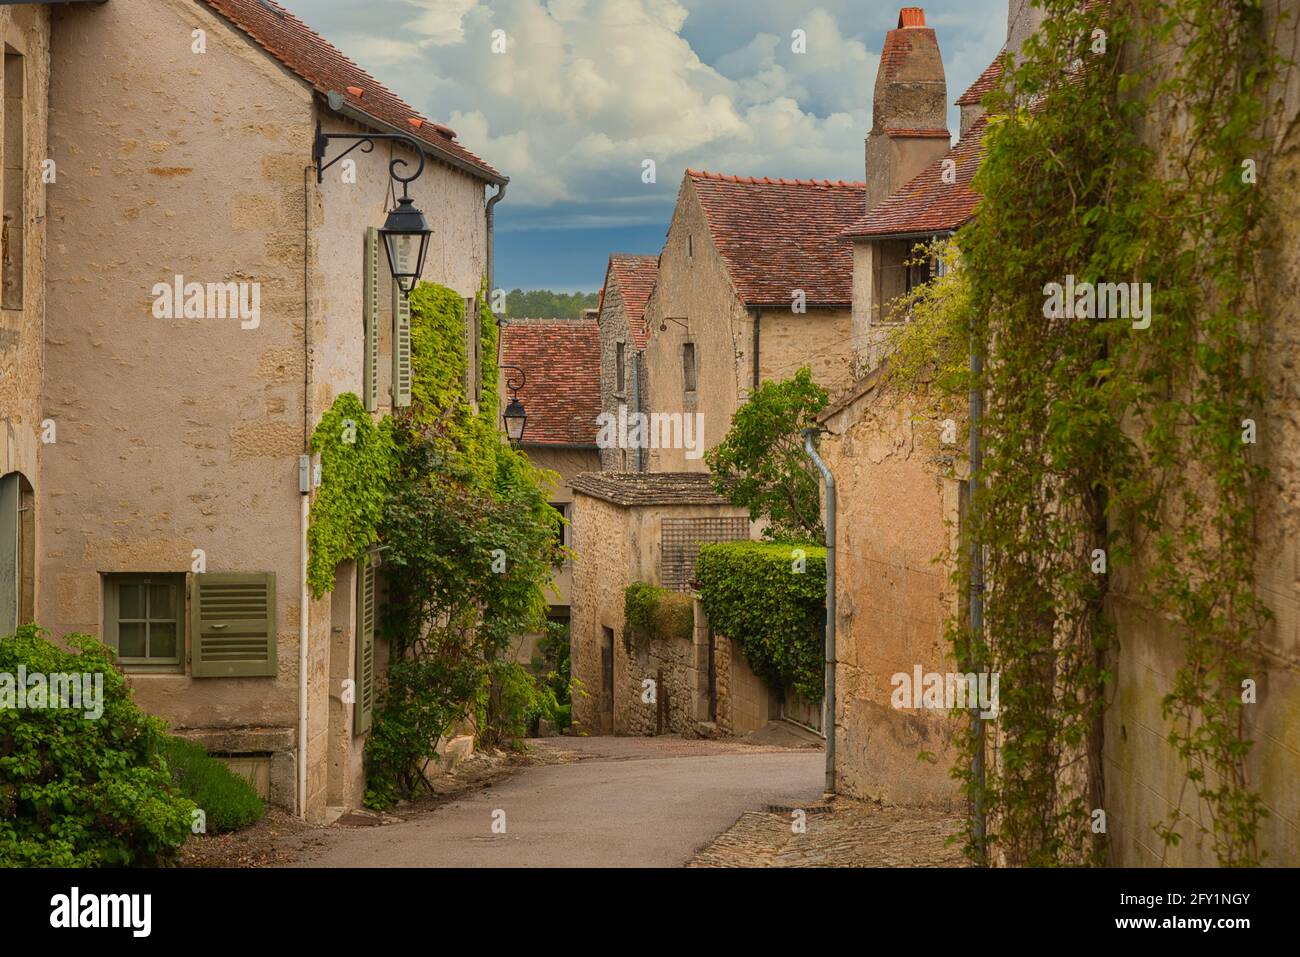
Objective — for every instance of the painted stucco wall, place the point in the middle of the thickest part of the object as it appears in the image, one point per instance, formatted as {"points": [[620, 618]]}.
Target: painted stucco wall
{"points": [[893, 597], [178, 434]]}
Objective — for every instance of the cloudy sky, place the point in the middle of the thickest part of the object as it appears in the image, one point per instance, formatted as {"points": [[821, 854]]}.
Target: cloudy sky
{"points": [[587, 90]]}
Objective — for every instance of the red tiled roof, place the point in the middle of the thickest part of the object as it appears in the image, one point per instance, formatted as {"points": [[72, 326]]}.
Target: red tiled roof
{"points": [[779, 235], [635, 276], [927, 204], [561, 363], [983, 83], [314, 59]]}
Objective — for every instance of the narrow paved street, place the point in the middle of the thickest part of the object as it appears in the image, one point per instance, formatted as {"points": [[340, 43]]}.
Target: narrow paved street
{"points": [[638, 802]]}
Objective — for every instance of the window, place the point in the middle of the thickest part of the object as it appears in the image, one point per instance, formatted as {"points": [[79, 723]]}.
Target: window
{"points": [[473, 380], [688, 366], [562, 532], [143, 619], [620, 350], [690, 246], [17, 553], [918, 274]]}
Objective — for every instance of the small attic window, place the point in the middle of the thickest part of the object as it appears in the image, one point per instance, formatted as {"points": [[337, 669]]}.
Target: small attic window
{"points": [[690, 246]]}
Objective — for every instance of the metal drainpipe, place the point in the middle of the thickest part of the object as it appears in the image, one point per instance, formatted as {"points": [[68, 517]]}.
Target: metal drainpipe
{"points": [[976, 592], [828, 709], [491, 262]]}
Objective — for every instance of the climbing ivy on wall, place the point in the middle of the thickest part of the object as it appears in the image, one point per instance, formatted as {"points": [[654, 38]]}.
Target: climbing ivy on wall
{"points": [[769, 599], [356, 460], [1113, 449]]}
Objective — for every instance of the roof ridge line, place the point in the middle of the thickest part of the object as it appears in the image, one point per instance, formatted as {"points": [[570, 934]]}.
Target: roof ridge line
{"points": [[769, 181]]}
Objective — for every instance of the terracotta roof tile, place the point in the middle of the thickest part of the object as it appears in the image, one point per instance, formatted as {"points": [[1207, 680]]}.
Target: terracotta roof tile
{"points": [[561, 363], [779, 235], [635, 277], [927, 204], [315, 60], [649, 488], [983, 83]]}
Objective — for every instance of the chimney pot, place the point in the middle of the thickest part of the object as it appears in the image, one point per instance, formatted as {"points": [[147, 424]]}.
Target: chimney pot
{"points": [[911, 17]]}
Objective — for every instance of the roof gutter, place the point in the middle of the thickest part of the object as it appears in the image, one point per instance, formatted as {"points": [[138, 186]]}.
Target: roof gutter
{"points": [[336, 103], [877, 237]]}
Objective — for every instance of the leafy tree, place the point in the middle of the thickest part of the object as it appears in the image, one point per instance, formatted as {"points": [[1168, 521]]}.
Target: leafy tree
{"points": [[761, 464], [545, 304]]}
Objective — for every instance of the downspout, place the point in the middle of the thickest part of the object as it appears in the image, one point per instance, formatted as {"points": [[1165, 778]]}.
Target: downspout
{"points": [[305, 474], [976, 597], [491, 262], [828, 707]]}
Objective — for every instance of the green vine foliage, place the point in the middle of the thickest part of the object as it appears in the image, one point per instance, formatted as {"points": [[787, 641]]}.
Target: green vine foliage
{"points": [[470, 545], [1102, 437], [770, 600], [356, 458], [650, 611]]}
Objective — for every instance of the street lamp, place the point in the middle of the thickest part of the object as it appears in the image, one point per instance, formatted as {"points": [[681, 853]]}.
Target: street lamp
{"points": [[406, 232], [515, 416]]}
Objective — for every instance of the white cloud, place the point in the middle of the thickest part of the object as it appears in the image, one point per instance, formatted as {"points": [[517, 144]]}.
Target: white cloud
{"points": [[589, 88]]}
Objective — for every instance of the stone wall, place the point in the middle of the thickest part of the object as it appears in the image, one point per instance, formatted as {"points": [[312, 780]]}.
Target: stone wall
{"points": [[184, 434], [898, 495], [1145, 780], [25, 30]]}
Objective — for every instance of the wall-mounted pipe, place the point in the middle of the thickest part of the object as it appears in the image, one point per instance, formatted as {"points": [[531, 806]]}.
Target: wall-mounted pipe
{"points": [[828, 706], [491, 240]]}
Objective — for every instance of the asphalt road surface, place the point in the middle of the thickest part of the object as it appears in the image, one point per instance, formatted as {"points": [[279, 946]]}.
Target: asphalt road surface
{"points": [[634, 802]]}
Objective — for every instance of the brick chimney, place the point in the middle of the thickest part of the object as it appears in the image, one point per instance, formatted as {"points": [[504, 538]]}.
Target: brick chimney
{"points": [[1023, 20], [909, 126]]}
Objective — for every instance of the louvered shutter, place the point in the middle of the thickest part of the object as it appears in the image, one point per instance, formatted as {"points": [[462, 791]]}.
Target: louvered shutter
{"points": [[364, 708], [401, 340], [370, 296], [10, 496], [472, 340], [232, 625]]}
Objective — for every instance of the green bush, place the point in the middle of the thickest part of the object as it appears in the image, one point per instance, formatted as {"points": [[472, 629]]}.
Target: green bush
{"points": [[227, 801], [77, 791], [653, 612], [753, 594]]}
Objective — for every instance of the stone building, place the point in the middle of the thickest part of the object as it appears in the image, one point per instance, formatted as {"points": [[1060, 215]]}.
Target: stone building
{"points": [[174, 518], [755, 280], [560, 362], [629, 281], [894, 594], [647, 527], [25, 30]]}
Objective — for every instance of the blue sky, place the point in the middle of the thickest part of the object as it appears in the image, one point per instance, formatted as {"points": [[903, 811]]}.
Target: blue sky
{"points": [[587, 90]]}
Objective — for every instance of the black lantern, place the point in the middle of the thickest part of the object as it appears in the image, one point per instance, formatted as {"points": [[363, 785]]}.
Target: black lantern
{"points": [[405, 233], [516, 418], [515, 415], [406, 237]]}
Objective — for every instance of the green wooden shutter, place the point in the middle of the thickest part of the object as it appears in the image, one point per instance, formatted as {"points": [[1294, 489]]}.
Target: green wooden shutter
{"points": [[370, 295], [364, 672], [401, 341], [232, 625], [10, 497]]}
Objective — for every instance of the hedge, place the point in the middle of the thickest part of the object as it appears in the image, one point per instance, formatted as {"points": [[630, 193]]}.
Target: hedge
{"points": [[769, 599]]}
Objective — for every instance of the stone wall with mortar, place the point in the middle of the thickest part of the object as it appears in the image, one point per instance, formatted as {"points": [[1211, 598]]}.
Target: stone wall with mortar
{"points": [[615, 329], [25, 29]]}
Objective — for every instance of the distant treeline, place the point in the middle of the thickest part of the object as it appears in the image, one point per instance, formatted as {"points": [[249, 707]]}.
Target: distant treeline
{"points": [[544, 304]]}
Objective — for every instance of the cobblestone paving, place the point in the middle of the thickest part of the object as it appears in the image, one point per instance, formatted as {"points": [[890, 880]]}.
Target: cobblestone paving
{"points": [[848, 834]]}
